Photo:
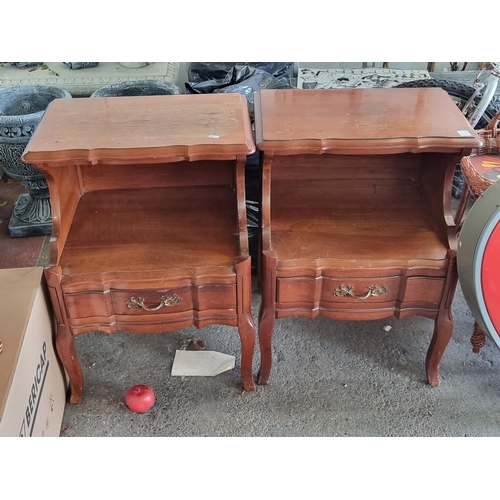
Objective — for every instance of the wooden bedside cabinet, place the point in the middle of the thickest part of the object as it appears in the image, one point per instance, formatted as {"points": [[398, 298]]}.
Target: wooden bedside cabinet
{"points": [[356, 207], [149, 220]]}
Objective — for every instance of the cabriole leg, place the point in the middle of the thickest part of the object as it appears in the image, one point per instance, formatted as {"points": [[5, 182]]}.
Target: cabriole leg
{"points": [[246, 327], [267, 315], [65, 345]]}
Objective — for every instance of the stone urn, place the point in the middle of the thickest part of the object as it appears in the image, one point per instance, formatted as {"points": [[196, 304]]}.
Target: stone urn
{"points": [[137, 88], [21, 109]]}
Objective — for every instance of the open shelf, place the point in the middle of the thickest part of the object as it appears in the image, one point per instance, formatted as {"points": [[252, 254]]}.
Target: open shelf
{"points": [[152, 229], [342, 220]]}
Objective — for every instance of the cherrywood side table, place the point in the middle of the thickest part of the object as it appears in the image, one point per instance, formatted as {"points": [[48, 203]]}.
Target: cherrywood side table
{"points": [[149, 221], [356, 207]]}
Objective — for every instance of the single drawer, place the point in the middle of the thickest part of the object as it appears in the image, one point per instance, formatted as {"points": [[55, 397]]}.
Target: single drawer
{"points": [[100, 305], [166, 300], [320, 290], [359, 292]]}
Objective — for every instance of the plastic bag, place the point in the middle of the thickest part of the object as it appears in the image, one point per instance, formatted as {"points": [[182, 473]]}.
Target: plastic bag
{"points": [[202, 71], [245, 80]]}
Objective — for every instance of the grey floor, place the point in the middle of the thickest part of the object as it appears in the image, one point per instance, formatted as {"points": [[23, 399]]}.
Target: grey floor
{"points": [[329, 378]]}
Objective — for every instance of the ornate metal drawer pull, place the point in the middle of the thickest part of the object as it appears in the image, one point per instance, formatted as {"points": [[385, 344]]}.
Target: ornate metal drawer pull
{"points": [[348, 291], [165, 301]]}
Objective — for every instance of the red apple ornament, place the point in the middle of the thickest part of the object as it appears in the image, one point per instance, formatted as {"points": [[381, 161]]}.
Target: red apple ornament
{"points": [[140, 398]]}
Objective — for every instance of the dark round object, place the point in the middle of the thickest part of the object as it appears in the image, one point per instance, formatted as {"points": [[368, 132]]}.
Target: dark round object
{"points": [[137, 88], [25, 104], [477, 261], [21, 109]]}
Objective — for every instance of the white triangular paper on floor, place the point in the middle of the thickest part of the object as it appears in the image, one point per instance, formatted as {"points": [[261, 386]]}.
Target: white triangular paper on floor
{"points": [[201, 363]]}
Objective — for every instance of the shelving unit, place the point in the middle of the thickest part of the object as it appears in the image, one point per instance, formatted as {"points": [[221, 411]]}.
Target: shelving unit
{"points": [[356, 207], [149, 222]]}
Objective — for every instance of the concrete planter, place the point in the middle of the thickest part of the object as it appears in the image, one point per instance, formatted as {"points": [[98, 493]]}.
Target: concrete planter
{"points": [[137, 88], [21, 109]]}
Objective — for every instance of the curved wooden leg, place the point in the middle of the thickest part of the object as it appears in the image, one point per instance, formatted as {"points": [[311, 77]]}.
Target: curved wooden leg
{"points": [[443, 326], [267, 315], [478, 339], [65, 342], [65, 345], [443, 330], [246, 329], [266, 327]]}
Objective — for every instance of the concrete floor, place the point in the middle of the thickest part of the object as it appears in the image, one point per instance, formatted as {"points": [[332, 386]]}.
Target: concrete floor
{"points": [[330, 378]]}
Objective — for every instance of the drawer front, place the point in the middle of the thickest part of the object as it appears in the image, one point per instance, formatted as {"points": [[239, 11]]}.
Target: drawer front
{"points": [[164, 301], [89, 305], [358, 292], [159, 301], [101, 305]]}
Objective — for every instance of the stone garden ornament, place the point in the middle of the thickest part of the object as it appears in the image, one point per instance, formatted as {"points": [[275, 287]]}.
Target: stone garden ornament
{"points": [[137, 88], [21, 109]]}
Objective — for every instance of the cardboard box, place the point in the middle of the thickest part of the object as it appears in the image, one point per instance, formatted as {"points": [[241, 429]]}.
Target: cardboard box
{"points": [[32, 380]]}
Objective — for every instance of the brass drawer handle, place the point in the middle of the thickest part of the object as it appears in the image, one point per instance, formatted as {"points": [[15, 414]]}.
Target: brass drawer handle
{"points": [[165, 301], [348, 291]]}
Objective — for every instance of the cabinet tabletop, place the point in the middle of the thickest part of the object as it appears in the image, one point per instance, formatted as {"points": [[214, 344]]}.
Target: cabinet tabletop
{"points": [[151, 128], [350, 120]]}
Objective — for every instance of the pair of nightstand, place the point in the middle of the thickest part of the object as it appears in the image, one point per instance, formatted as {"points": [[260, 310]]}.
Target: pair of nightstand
{"points": [[149, 218]]}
